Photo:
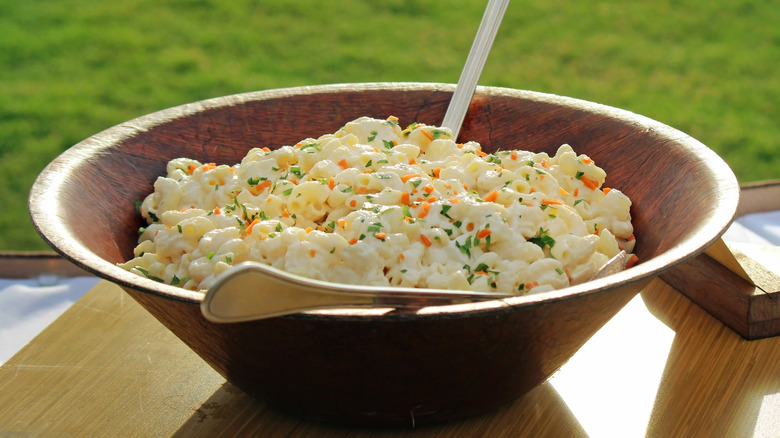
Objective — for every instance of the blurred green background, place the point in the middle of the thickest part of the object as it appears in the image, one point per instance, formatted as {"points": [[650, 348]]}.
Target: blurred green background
{"points": [[72, 68]]}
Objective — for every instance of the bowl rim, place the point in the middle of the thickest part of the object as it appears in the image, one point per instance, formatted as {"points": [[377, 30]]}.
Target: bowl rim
{"points": [[43, 199]]}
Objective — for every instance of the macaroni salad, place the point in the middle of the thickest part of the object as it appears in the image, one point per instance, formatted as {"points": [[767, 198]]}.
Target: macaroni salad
{"points": [[377, 204]]}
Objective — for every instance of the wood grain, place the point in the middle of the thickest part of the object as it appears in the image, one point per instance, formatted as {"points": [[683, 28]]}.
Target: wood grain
{"points": [[683, 196], [108, 368], [751, 308]]}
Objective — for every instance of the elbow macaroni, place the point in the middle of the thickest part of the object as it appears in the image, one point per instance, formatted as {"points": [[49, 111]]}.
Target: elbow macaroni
{"points": [[375, 204]]}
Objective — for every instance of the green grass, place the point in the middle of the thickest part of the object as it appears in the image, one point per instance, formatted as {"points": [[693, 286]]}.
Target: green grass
{"points": [[75, 67]]}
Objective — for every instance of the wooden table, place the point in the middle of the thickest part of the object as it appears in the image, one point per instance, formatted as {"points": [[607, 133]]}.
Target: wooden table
{"points": [[662, 367]]}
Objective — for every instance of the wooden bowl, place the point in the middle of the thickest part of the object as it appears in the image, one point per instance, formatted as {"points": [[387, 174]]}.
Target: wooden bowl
{"points": [[392, 368]]}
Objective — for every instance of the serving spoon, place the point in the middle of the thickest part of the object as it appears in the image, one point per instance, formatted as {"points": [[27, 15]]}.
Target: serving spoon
{"points": [[253, 291]]}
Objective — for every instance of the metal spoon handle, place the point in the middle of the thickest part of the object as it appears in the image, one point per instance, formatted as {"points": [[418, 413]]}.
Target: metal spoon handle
{"points": [[480, 48]]}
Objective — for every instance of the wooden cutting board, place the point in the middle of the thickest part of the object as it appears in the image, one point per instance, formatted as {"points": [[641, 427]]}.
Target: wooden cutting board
{"points": [[738, 288]]}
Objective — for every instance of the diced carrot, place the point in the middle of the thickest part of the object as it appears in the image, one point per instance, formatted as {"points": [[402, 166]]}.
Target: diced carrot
{"points": [[564, 192], [492, 196], [331, 183], [454, 200], [470, 227], [380, 235], [436, 172], [353, 203], [406, 178], [309, 229], [343, 163], [341, 222], [484, 233], [209, 166], [424, 209], [551, 201], [513, 155], [531, 285], [392, 118], [585, 159], [312, 252], [249, 228], [432, 199], [353, 241], [606, 190], [480, 153], [428, 189], [425, 240], [217, 210], [632, 261], [266, 149], [427, 134], [191, 169], [405, 198], [362, 190], [589, 183]]}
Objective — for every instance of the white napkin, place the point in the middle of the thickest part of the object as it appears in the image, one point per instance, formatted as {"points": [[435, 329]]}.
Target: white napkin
{"points": [[28, 306]]}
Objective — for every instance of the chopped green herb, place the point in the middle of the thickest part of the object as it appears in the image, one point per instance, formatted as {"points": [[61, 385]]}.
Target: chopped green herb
{"points": [[444, 210], [375, 227], [372, 136], [542, 239], [465, 248], [312, 145], [146, 274]]}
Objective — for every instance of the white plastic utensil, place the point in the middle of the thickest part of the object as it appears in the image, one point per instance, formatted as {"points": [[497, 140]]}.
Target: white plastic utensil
{"points": [[253, 291], [475, 62]]}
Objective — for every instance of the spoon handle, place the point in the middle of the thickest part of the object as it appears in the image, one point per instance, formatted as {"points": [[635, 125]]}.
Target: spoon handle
{"points": [[467, 84], [253, 291]]}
